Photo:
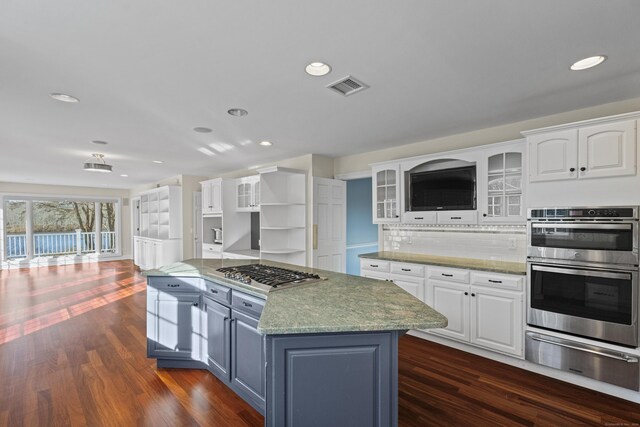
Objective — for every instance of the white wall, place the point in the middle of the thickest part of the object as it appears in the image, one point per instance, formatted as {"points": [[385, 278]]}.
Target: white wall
{"points": [[62, 190]]}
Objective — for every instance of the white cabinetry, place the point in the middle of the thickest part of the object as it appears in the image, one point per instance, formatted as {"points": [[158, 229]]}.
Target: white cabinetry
{"points": [[283, 231], [583, 151], [212, 196], [154, 253], [486, 312], [161, 213], [248, 194], [501, 184], [160, 239], [386, 194]]}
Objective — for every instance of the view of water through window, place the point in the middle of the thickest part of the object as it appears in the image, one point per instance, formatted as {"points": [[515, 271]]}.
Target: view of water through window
{"points": [[59, 227]]}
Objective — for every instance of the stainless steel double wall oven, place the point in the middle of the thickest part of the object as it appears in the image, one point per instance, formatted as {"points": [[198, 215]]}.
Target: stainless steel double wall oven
{"points": [[583, 281]]}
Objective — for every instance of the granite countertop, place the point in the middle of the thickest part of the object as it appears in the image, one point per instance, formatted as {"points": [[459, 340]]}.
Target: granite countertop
{"points": [[342, 303], [444, 261]]}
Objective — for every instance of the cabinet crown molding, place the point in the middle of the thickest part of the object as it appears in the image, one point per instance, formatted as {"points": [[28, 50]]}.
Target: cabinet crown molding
{"points": [[589, 122]]}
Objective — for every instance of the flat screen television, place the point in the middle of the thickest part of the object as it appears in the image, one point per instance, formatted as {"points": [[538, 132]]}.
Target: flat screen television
{"points": [[444, 189]]}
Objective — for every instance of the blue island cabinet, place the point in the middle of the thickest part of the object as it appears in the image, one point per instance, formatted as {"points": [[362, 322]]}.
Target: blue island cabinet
{"points": [[337, 379]]}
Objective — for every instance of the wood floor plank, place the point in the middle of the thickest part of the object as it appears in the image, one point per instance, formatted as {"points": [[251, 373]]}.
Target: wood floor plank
{"points": [[73, 352]]}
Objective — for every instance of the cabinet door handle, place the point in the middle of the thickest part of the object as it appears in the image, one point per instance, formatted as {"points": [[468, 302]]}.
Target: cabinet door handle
{"points": [[572, 169], [246, 304], [582, 169], [213, 291], [373, 265], [484, 214], [195, 304], [225, 318], [406, 269], [495, 281], [173, 285], [419, 217], [466, 293], [447, 275], [473, 295], [456, 217]]}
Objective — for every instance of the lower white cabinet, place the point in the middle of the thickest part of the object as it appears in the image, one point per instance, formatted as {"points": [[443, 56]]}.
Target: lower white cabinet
{"points": [[481, 315], [484, 309], [154, 253]]}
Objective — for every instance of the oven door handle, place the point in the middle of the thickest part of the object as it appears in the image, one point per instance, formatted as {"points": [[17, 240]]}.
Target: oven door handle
{"points": [[577, 272], [622, 357], [589, 225]]}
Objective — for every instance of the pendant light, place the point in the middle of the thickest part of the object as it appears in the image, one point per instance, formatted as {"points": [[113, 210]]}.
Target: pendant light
{"points": [[97, 164]]}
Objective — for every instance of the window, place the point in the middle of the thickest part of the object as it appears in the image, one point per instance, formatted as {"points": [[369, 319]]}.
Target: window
{"points": [[60, 227]]}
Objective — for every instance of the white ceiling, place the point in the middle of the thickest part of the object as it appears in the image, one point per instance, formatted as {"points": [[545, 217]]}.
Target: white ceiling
{"points": [[148, 71]]}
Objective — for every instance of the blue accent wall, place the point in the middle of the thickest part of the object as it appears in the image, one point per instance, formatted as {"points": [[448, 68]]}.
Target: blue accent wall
{"points": [[362, 233]]}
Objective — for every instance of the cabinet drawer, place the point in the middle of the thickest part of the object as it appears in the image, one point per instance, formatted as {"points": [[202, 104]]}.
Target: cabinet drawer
{"points": [[455, 217], [428, 217], [246, 303], [380, 275], [176, 284], [218, 292], [494, 280], [374, 265], [407, 269], [212, 247], [448, 274]]}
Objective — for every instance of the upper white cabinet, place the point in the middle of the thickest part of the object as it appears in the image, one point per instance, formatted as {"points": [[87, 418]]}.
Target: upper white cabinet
{"points": [[212, 196], [248, 194], [501, 184], [386, 194], [583, 151]]}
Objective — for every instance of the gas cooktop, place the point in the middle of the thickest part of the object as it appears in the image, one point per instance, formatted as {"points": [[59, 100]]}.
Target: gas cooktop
{"points": [[274, 277]]}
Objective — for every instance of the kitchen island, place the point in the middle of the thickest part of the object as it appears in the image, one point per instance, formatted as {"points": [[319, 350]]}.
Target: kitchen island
{"points": [[318, 353]]}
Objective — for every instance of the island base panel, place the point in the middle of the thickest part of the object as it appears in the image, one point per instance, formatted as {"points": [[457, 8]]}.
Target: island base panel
{"points": [[346, 379]]}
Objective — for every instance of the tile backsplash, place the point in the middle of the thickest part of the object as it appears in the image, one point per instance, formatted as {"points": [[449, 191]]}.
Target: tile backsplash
{"points": [[500, 243]]}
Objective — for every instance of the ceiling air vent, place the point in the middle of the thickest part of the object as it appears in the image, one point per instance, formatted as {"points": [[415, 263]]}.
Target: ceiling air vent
{"points": [[347, 86]]}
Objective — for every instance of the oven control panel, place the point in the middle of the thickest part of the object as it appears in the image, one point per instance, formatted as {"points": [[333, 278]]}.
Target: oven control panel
{"points": [[585, 212]]}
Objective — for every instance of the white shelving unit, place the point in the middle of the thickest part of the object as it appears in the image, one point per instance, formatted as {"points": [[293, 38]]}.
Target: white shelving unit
{"points": [[283, 232], [160, 239]]}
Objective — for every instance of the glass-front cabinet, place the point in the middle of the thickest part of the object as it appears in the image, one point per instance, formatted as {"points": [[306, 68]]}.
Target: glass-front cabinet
{"points": [[386, 193], [503, 201]]}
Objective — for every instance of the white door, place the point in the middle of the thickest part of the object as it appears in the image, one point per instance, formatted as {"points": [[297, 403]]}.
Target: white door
{"points": [[496, 319], [197, 224], [553, 156], [452, 300], [607, 150], [330, 224]]}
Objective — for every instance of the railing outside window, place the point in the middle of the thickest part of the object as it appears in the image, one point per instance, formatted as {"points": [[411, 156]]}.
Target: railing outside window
{"points": [[55, 244]]}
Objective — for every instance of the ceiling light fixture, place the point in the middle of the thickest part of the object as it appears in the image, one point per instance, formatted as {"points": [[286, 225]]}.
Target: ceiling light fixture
{"points": [[64, 97], [206, 151], [99, 142], [318, 69], [124, 175], [97, 164], [587, 63], [238, 112], [158, 161], [202, 129], [265, 143]]}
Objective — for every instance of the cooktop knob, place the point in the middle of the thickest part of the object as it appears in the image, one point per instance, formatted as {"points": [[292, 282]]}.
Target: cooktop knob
{"points": [[591, 212]]}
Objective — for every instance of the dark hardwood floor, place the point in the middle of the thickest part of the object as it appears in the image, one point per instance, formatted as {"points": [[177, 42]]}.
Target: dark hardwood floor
{"points": [[72, 352]]}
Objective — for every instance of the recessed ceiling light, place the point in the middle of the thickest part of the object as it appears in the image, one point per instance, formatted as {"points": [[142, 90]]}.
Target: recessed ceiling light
{"points": [[587, 63], [201, 129], [265, 143], [318, 69], [64, 97], [158, 161], [97, 142], [238, 112], [124, 175]]}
